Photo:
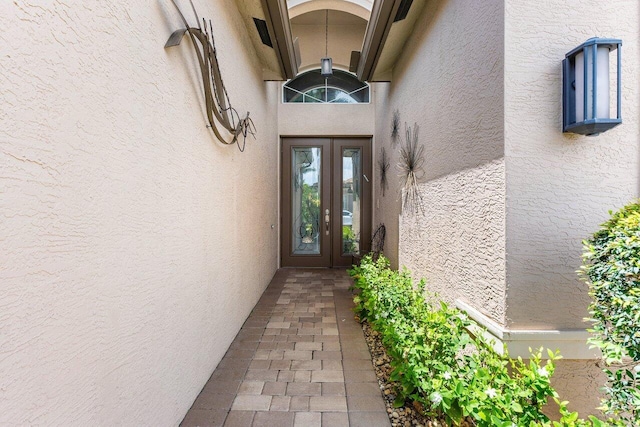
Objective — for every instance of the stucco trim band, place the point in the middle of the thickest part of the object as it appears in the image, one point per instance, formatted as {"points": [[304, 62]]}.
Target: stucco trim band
{"points": [[572, 343]]}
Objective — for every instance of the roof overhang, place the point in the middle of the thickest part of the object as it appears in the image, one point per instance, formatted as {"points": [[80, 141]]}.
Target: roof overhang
{"points": [[279, 61], [382, 15], [280, 27], [389, 26], [385, 37]]}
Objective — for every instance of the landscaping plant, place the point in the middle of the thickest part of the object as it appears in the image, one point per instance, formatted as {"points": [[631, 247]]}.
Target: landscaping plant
{"points": [[612, 271], [446, 369]]}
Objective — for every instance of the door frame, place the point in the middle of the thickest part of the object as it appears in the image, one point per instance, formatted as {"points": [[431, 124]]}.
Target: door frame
{"points": [[332, 146], [287, 258]]}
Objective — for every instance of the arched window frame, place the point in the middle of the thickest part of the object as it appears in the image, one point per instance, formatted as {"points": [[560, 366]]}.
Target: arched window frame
{"points": [[341, 83]]}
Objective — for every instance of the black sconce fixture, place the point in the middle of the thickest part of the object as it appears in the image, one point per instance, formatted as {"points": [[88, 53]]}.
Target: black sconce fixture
{"points": [[586, 87]]}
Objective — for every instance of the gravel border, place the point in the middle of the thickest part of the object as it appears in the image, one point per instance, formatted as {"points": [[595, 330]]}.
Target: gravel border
{"points": [[409, 414], [405, 416]]}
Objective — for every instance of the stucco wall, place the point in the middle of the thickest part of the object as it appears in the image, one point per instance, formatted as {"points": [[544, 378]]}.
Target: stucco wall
{"points": [[296, 119], [504, 234], [560, 186], [457, 242], [579, 382], [386, 204], [449, 81], [134, 245]]}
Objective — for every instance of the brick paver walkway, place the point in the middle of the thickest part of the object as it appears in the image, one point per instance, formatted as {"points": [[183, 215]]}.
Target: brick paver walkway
{"points": [[299, 360]]}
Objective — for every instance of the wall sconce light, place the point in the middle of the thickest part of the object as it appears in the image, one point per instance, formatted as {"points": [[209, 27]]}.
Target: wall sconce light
{"points": [[586, 87]]}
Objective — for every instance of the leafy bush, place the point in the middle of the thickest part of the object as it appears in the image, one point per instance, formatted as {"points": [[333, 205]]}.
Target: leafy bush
{"points": [[446, 369], [349, 240], [612, 270]]}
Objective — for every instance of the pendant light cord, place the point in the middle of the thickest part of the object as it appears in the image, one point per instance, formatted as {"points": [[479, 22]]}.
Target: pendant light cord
{"points": [[326, 35]]}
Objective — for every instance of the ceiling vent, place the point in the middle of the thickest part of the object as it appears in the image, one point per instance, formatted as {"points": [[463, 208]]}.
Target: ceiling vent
{"points": [[263, 31], [403, 10]]}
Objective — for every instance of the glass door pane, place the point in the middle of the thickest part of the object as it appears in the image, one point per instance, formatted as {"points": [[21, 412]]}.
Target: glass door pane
{"points": [[351, 189], [305, 200]]}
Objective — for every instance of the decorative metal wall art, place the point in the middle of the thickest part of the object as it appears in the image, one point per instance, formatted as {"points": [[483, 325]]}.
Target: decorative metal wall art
{"points": [[411, 169], [217, 104], [395, 127], [383, 167]]}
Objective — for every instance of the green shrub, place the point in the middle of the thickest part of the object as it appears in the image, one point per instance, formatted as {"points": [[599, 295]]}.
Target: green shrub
{"points": [[612, 271], [349, 240], [444, 367]]}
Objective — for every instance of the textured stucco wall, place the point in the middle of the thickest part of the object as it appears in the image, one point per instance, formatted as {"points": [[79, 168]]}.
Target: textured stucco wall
{"points": [[296, 119], [560, 186], [483, 81], [457, 243], [579, 382], [449, 81], [386, 205], [133, 244]]}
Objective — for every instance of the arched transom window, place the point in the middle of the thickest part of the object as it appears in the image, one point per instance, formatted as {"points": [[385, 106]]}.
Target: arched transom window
{"points": [[339, 88]]}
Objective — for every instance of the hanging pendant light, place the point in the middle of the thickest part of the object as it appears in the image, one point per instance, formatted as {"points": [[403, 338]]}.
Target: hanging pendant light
{"points": [[326, 64]]}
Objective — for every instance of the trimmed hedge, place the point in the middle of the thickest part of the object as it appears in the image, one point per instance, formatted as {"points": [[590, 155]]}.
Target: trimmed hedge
{"points": [[612, 271], [442, 366]]}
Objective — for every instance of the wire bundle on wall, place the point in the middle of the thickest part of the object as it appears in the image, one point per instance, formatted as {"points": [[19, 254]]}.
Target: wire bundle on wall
{"points": [[395, 127], [383, 166], [411, 169]]}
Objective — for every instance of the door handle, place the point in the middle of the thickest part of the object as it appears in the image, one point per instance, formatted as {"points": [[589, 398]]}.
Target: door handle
{"points": [[326, 221]]}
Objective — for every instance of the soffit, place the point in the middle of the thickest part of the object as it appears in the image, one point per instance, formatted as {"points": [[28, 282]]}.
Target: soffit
{"points": [[361, 8], [395, 41], [278, 62], [381, 45], [367, 4], [335, 18], [337, 39], [385, 39]]}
